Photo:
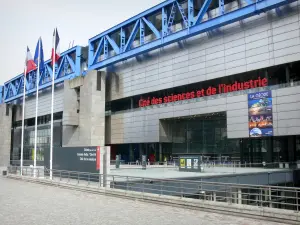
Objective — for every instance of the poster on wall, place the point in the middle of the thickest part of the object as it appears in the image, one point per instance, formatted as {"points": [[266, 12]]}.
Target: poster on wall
{"points": [[190, 163], [260, 114]]}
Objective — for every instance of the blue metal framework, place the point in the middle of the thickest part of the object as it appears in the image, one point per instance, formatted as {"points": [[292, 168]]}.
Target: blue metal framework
{"points": [[68, 66], [1, 94], [128, 39]]}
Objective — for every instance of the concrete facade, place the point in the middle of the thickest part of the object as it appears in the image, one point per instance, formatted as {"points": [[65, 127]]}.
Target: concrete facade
{"points": [[5, 135], [90, 130], [44, 104]]}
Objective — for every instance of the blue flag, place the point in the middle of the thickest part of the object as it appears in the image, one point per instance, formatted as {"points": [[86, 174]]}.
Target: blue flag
{"points": [[40, 55]]}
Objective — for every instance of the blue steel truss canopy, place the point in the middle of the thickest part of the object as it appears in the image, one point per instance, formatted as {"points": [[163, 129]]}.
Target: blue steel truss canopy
{"points": [[131, 38], [68, 66]]}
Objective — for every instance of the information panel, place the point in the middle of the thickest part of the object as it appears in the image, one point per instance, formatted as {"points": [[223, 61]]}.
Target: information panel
{"points": [[260, 112], [189, 163], [83, 159]]}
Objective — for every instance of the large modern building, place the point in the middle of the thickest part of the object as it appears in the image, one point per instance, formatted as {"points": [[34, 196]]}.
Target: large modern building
{"points": [[217, 78]]}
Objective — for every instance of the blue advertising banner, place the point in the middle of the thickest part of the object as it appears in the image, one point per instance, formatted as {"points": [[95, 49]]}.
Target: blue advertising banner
{"points": [[260, 114]]}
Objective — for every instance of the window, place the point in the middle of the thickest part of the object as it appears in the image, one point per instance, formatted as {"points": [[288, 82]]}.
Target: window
{"points": [[99, 81], [7, 110]]}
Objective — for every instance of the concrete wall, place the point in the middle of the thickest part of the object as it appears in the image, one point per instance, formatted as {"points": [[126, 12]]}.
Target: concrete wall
{"points": [[142, 125], [91, 126], [5, 134], [44, 104], [260, 41]]}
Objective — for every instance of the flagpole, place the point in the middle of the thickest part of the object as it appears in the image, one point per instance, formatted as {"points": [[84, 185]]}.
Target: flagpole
{"points": [[52, 102], [23, 118], [37, 103]]}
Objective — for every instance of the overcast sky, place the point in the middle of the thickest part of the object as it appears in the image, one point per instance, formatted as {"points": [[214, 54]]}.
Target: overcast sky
{"points": [[23, 22]]}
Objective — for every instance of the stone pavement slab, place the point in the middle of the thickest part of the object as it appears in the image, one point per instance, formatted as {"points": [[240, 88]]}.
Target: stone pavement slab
{"points": [[34, 204]]}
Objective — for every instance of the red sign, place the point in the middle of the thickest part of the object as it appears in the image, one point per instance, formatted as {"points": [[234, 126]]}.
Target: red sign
{"points": [[222, 88], [98, 158]]}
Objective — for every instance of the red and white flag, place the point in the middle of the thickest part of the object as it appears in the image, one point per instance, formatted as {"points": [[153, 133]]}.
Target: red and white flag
{"points": [[55, 48], [29, 63]]}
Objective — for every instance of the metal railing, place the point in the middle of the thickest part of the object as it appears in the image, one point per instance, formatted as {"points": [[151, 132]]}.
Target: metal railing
{"points": [[276, 197], [214, 166]]}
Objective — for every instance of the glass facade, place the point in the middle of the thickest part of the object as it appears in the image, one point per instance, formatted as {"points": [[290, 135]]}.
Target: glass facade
{"points": [[43, 139], [202, 134], [206, 135]]}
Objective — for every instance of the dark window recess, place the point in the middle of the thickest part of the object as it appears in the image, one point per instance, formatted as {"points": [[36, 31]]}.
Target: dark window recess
{"points": [[7, 110], [41, 120], [294, 71], [99, 81], [120, 105]]}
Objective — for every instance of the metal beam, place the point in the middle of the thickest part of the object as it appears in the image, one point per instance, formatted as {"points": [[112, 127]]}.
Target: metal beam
{"points": [[1, 94], [13, 88], [152, 27], [122, 40], [191, 12], [148, 12], [113, 44], [105, 45], [221, 7], [142, 32], [181, 10], [171, 18], [249, 1], [98, 51], [132, 36], [164, 20], [213, 23], [202, 12]]}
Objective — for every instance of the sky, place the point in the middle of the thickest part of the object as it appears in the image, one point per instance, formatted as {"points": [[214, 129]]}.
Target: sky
{"points": [[23, 22]]}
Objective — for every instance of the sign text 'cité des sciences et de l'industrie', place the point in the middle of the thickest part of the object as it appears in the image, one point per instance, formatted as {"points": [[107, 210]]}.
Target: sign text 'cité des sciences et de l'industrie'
{"points": [[220, 89]]}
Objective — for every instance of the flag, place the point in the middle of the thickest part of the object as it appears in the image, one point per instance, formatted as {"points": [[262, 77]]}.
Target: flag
{"points": [[39, 55], [55, 48], [29, 63]]}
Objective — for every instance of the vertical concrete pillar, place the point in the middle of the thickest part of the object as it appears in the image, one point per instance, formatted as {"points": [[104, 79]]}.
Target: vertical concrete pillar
{"points": [[131, 154], [270, 198], [140, 152], [131, 103], [291, 149], [146, 150], [89, 128], [257, 199], [287, 74], [234, 196], [214, 196], [71, 112], [239, 196], [5, 134], [160, 152]]}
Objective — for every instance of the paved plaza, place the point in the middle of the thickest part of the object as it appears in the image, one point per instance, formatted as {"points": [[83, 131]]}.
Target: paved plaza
{"points": [[29, 204]]}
